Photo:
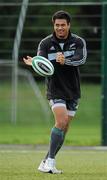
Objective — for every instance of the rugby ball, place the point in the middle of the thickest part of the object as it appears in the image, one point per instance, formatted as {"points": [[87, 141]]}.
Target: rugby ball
{"points": [[42, 66]]}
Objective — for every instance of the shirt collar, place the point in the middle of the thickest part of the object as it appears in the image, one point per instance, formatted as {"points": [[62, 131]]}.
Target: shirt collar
{"points": [[55, 39]]}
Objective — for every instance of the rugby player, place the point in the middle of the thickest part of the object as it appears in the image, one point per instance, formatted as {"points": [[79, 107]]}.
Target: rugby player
{"points": [[66, 51]]}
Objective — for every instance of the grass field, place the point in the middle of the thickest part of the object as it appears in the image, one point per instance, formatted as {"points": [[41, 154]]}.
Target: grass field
{"points": [[33, 128], [76, 165]]}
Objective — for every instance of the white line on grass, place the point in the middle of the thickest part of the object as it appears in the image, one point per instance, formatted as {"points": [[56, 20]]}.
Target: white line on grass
{"points": [[26, 148]]}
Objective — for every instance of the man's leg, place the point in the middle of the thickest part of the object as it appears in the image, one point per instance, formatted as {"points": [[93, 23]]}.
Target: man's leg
{"points": [[57, 134], [42, 164], [62, 121], [57, 149]]}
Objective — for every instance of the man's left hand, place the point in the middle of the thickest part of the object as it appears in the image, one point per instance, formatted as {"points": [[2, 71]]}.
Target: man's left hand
{"points": [[60, 58]]}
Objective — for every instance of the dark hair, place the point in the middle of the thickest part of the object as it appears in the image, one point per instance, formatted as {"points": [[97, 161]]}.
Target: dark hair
{"points": [[61, 15]]}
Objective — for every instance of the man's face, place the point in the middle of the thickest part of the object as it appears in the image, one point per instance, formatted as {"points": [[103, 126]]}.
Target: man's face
{"points": [[61, 28]]}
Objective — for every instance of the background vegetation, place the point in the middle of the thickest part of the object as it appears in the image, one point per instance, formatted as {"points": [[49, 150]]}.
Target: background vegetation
{"points": [[86, 22], [31, 126]]}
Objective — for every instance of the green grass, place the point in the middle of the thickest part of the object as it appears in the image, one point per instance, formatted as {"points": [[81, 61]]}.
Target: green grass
{"points": [[77, 165], [32, 126]]}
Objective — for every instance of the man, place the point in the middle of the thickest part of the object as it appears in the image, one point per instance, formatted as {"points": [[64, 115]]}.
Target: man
{"points": [[66, 51]]}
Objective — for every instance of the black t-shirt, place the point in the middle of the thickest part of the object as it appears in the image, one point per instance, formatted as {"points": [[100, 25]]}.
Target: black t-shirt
{"points": [[65, 82]]}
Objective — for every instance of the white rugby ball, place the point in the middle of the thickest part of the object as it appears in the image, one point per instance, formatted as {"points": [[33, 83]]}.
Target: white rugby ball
{"points": [[42, 66]]}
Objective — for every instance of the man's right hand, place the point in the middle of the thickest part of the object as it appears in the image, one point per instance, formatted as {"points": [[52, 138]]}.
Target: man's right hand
{"points": [[60, 58], [28, 60]]}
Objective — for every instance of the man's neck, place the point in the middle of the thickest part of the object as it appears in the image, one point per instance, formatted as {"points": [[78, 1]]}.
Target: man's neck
{"points": [[62, 39]]}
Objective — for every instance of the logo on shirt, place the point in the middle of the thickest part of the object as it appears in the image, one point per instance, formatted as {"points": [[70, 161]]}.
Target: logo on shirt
{"points": [[72, 46], [52, 48]]}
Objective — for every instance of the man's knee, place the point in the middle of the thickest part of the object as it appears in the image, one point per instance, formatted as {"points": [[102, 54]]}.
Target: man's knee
{"points": [[62, 123]]}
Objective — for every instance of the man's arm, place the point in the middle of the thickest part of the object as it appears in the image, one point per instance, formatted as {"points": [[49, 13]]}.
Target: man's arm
{"points": [[40, 52], [80, 55], [28, 60]]}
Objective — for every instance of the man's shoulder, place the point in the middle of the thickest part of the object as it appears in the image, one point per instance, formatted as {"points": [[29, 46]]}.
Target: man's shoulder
{"points": [[47, 38], [77, 37]]}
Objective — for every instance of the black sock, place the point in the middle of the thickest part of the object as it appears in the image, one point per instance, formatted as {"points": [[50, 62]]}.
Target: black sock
{"points": [[60, 145], [57, 139], [58, 148]]}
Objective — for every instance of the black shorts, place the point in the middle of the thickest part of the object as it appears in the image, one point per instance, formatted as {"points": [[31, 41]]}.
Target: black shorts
{"points": [[71, 105]]}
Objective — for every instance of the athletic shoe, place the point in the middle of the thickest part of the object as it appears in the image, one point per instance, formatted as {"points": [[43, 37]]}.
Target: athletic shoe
{"points": [[41, 166], [49, 166]]}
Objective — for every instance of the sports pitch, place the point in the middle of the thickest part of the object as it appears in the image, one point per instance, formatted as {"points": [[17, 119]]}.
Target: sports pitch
{"points": [[31, 126], [22, 164], [77, 164]]}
